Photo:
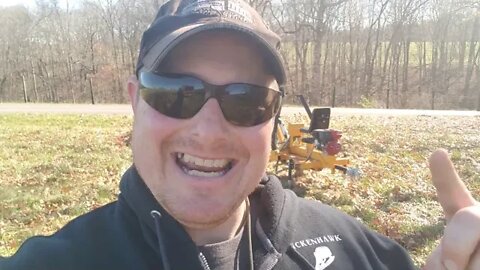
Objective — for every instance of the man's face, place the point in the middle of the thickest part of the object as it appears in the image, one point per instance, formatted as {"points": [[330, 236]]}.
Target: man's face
{"points": [[166, 149]]}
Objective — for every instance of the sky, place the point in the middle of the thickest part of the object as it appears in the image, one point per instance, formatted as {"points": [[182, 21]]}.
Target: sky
{"points": [[31, 3], [6, 3]]}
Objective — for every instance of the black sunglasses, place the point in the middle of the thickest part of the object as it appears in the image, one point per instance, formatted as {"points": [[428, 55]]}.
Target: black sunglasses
{"points": [[182, 96]]}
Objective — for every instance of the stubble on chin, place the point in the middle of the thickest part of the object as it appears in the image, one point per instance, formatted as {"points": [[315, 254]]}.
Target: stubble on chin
{"points": [[182, 212]]}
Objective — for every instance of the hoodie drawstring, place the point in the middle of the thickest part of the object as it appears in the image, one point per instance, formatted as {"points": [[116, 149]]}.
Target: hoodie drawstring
{"points": [[157, 216]]}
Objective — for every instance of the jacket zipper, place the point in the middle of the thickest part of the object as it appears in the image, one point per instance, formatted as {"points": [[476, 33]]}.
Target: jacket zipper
{"points": [[203, 261]]}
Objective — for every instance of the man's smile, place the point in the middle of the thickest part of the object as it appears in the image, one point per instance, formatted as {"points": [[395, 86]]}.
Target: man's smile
{"points": [[202, 167]]}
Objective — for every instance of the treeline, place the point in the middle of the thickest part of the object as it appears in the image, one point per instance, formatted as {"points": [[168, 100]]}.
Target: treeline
{"points": [[377, 53]]}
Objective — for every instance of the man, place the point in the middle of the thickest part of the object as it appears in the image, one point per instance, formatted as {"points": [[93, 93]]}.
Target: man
{"points": [[208, 86]]}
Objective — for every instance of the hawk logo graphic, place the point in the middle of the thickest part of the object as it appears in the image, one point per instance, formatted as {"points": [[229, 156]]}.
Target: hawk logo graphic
{"points": [[323, 257]]}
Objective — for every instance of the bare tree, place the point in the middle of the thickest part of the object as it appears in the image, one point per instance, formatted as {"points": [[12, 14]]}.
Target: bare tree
{"points": [[389, 53]]}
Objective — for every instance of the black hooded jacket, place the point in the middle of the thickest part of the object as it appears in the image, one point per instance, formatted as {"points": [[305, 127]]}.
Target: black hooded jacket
{"points": [[290, 233]]}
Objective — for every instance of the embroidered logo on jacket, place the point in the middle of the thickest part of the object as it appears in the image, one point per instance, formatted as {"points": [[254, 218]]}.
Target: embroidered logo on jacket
{"points": [[318, 240], [323, 257]]}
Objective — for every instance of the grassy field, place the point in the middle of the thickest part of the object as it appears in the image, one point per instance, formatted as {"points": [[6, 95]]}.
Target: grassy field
{"points": [[56, 167]]}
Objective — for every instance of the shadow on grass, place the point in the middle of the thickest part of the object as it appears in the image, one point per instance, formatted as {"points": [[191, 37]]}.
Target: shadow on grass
{"points": [[293, 184], [422, 236]]}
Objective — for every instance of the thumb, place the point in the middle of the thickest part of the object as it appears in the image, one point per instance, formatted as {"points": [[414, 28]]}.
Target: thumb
{"points": [[452, 193]]}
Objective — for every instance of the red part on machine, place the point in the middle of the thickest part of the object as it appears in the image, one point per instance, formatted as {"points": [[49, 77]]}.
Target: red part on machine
{"points": [[336, 134], [333, 148]]}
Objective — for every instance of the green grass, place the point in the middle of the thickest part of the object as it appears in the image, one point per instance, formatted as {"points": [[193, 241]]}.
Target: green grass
{"points": [[56, 167]]}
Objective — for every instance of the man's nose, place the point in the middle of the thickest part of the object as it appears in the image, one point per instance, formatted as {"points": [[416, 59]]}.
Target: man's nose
{"points": [[209, 124]]}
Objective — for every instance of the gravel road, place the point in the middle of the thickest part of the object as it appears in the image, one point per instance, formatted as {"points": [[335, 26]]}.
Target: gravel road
{"points": [[124, 109]]}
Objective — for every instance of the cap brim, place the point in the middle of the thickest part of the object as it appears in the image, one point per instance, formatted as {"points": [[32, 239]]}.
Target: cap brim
{"points": [[160, 50]]}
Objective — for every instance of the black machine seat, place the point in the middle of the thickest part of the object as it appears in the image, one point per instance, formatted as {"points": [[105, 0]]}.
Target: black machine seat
{"points": [[321, 136], [320, 120]]}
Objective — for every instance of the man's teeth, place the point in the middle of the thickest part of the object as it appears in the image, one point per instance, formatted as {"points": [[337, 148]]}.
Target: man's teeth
{"points": [[200, 167], [212, 163], [203, 174]]}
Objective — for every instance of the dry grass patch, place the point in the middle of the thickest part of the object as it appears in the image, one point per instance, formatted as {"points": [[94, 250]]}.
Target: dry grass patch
{"points": [[56, 167]]}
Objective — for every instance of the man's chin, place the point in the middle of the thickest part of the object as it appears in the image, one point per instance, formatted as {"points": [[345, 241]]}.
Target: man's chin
{"points": [[201, 223], [197, 217]]}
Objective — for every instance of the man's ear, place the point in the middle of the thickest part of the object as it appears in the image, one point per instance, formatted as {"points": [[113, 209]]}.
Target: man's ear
{"points": [[132, 86]]}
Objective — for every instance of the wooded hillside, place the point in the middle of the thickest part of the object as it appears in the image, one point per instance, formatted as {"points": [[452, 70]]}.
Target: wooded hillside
{"points": [[376, 53]]}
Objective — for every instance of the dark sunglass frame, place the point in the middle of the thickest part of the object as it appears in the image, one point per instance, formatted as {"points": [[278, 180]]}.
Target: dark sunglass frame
{"points": [[182, 96]]}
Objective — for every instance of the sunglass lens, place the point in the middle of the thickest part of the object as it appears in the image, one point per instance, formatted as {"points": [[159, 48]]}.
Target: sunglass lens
{"points": [[249, 105], [173, 96]]}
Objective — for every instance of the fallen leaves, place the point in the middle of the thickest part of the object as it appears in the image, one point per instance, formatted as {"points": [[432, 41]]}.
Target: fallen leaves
{"points": [[56, 167]]}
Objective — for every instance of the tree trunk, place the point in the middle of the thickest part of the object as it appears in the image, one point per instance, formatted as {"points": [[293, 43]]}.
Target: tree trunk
{"points": [[433, 79], [471, 61], [461, 55], [420, 61], [432, 105], [24, 84], [92, 97], [325, 61], [478, 80], [116, 75], [317, 79], [333, 66], [70, 79], [396, 70], [384, 73], [388, 98], [2, 84], [405, 79], [424, 67], [34, 78]]}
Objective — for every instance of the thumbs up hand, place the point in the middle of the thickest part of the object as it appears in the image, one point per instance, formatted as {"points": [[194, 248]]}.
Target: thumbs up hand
{"points": [[459, 248]]}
